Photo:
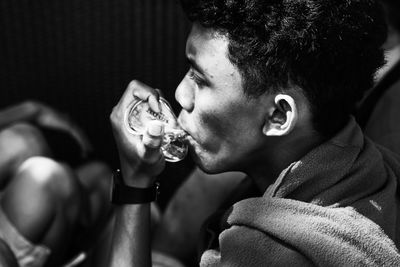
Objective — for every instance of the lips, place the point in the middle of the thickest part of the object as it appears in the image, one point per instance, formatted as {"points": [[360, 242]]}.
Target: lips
{"points": [[190, 138], [192, 142], [182, 124]]}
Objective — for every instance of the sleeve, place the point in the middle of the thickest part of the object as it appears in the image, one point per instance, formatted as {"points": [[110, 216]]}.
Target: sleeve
{"points": [[244, 246]]}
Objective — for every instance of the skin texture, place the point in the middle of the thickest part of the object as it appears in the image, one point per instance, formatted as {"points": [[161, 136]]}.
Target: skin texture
{"points": [[231, 131], [224, 124]]}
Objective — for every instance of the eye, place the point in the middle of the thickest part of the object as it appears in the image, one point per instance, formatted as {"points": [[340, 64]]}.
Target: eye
{"points": [[198, 80]]}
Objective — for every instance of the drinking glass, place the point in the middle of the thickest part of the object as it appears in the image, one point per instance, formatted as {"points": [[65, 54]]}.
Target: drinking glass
{"points": [[139, 114]]}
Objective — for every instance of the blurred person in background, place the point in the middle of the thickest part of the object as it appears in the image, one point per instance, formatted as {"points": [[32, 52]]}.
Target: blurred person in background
{"points": [[7, 258], [53, 200]]}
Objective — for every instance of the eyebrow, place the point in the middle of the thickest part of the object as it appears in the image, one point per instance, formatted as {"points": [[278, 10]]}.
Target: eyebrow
{"points": [[194, 65]]}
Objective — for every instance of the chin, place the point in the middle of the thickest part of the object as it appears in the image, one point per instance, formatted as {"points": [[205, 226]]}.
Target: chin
{"points": [[209, 169], [207, 163]]}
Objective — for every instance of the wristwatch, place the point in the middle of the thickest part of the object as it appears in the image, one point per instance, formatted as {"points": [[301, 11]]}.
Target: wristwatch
{"points": [[122, 194]]}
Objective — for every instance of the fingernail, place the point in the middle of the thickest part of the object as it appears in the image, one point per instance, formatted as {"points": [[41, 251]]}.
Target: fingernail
{"points": [[156, 128]]}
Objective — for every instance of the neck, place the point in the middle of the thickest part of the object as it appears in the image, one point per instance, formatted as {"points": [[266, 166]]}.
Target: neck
{"points": [[286, 151]]}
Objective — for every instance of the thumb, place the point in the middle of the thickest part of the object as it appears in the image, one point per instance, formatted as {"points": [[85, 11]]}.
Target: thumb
{"points": [[155, 128], [149, 150]]}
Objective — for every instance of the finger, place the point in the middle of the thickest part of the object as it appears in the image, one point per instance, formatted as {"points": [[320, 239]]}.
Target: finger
{"points": [[154, 104], [135, 91], [151, 142], [145, 92]]}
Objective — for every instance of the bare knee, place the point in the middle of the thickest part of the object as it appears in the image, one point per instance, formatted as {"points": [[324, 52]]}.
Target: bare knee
{"points": [[41, 191], [52, 178], [24, 137]]}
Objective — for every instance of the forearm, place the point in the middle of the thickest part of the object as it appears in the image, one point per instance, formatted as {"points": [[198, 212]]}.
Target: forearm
{"points": [[22, 112], [131, 238], [141, 162]]}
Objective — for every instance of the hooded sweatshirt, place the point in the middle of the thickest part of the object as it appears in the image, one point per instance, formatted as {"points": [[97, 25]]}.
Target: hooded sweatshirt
{"points": [[336, 206]]}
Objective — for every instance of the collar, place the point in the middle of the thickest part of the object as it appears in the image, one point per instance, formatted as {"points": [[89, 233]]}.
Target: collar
{"points": [[327, 173]]}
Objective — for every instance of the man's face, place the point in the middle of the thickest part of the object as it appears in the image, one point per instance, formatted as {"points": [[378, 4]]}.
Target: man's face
{"points": [[225, 125]]}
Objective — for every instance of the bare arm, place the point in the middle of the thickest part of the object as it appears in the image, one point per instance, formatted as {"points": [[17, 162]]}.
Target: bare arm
{"points": [[131, 242], [22, 112], [141, 161]]}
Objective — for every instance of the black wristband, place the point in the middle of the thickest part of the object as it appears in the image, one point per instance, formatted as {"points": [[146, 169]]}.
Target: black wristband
{"points": [[122, 194]]}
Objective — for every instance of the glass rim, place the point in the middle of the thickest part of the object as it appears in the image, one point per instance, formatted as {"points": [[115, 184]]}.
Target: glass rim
{"points": [[132, 106]]}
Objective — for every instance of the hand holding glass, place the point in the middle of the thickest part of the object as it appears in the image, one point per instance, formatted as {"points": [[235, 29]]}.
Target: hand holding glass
{"points": [[174, 146]]}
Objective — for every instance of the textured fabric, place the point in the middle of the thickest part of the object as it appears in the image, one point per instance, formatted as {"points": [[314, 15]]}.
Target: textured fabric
{"points": [[336, 206], [27, 254]]}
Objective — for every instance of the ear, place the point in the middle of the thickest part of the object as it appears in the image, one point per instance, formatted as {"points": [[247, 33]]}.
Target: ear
{"points": [[282, 117]]}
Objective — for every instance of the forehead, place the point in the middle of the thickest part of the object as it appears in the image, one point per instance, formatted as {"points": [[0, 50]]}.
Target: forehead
{"points": [[205, 42], [209, 50]]}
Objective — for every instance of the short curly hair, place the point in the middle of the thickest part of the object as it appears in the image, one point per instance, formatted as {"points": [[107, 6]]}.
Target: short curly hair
{"points": [[328, 48]]}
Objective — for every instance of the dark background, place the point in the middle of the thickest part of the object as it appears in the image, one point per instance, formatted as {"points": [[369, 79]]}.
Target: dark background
{"points": [[79, 55]]}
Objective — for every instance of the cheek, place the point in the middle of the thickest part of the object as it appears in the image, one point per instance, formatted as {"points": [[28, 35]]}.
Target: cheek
{"points": [[215, 123], [220, 125]]}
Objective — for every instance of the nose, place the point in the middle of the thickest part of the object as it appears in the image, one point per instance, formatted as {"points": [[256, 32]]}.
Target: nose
{"points": [[184, 94]]}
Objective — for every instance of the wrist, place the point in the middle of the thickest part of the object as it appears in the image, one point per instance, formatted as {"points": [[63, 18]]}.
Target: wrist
{"points": [[122, 194]]}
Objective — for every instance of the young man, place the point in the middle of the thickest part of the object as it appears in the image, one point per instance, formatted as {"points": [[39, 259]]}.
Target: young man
{"points": [[179, 227], [269, 93]]}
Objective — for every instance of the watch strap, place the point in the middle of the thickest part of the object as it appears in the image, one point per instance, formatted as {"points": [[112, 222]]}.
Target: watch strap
{"points": [[122, 194]]}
